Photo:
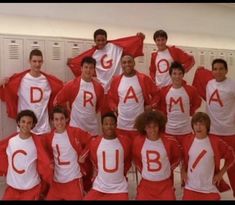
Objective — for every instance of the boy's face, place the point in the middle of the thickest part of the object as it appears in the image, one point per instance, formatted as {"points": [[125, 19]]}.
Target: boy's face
{"points": [[161, 43], [200, 130], [108, 126], [219, 72], [36, 63], [88, 71], [128, 65], [100, 41], [59, 121], [25, 124], [177, 77], [152, 131]]}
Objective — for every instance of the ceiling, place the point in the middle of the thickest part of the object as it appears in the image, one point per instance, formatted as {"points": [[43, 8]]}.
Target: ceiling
{"points": [[199, 18]]}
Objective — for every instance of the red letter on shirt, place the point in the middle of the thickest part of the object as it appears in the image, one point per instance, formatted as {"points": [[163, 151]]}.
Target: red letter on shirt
{"points": [[40, 93], [155, 160], [162, 61], [130, 94], [116, 164], [12, 161], [87, 97], [58, 158], [215, 97], [106, 64], [173, 101]]}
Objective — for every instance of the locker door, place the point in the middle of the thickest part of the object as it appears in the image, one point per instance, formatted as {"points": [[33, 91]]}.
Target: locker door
{"points": [[55, 63], [222, 54], [189, 75], [202, 58], [141, 62], [12, 62], [150, 48], [72, 49], [230, 62], [31, 44], [211, 56], [87, 44]]}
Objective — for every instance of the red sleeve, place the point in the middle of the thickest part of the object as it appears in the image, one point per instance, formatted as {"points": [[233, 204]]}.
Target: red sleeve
{"points": [[184, 58], [132, 45], [75, 63], [99, 91], [152, 68], [201, 78], [136, 152]]}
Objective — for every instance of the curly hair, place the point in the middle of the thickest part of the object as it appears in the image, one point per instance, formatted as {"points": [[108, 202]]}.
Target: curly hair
{"points": [[148, 117]]}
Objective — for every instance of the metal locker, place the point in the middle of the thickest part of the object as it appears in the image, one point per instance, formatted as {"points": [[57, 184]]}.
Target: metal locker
{"points": [[55, 63], [202, 59], [87, 44], [31, 44], [222, 54]]}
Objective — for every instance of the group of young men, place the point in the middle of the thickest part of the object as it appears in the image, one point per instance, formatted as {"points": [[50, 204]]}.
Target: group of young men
{"points": [[110, 116]]}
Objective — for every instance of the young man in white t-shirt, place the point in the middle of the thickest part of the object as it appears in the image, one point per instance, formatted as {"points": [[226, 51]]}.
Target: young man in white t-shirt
{"points": [[111, 157], [202, 153], [24, 161], [32, 89], [164, 56]]}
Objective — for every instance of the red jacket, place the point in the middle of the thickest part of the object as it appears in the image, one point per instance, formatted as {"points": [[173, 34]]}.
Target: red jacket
{"points": [[201, 77], [10, 92], [221, 151], [132, 45], [78, 138], [194, 98], [149, 90], [43, 163], [126, 144], [71, 89], [171, 145], [178, 55]]}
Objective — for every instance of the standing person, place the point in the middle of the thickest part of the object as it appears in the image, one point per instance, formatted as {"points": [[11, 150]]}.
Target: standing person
{"points": [[111, 156], [108, 57], [64, 145], [178, 101], [156, 155], [164, 56], [129, 95], [85, 97], [201, 168], [32, 89], [219, 94], [24, 161]]}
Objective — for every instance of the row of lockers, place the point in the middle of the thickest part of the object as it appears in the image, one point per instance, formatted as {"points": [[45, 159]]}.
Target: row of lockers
{"points": [[14, 56]]}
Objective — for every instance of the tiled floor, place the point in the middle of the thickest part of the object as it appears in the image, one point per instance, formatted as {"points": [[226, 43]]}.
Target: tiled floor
{"points": [[132, 186]]}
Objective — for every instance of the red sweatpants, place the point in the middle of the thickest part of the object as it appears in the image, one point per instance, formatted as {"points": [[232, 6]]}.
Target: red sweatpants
{"points": [[193, 195], [16, 194], [159, 190], [72, 190], [96, 195]]}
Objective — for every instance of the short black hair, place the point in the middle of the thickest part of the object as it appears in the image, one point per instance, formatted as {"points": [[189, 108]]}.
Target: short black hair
{"points": [[220, 60], [148, 117], [28, 113], [59, 109], [35, 52], [100, 32], [176, 66], [109, 114], [88, 60], [160, 33]]}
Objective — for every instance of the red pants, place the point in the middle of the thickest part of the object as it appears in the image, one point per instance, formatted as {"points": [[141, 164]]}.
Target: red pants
{"points": [[72, 190], [230, 140], [180, 138], [151, 190], [105, 106], [96, 195], [193, 195], [131, 134], [17, 194]]}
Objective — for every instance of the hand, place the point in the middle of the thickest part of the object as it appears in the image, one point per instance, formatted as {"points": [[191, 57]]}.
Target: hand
{"points": [[184, 177], [147, 108], [217, 178], [69, 60], [140, 34], [4, 81]]}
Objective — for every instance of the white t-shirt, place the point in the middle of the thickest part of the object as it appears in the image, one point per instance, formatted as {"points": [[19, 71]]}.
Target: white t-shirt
{"points": [[156, 165], [131, 102], [178, 112], [83, 112], [163, 62], [108, 64], [201, 167], [22, 163], [220, 98], [110, 159], [34, 94]]}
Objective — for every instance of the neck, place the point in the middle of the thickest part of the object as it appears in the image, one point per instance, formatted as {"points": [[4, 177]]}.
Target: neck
{"points": [[34, 74], [24, 135]]}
